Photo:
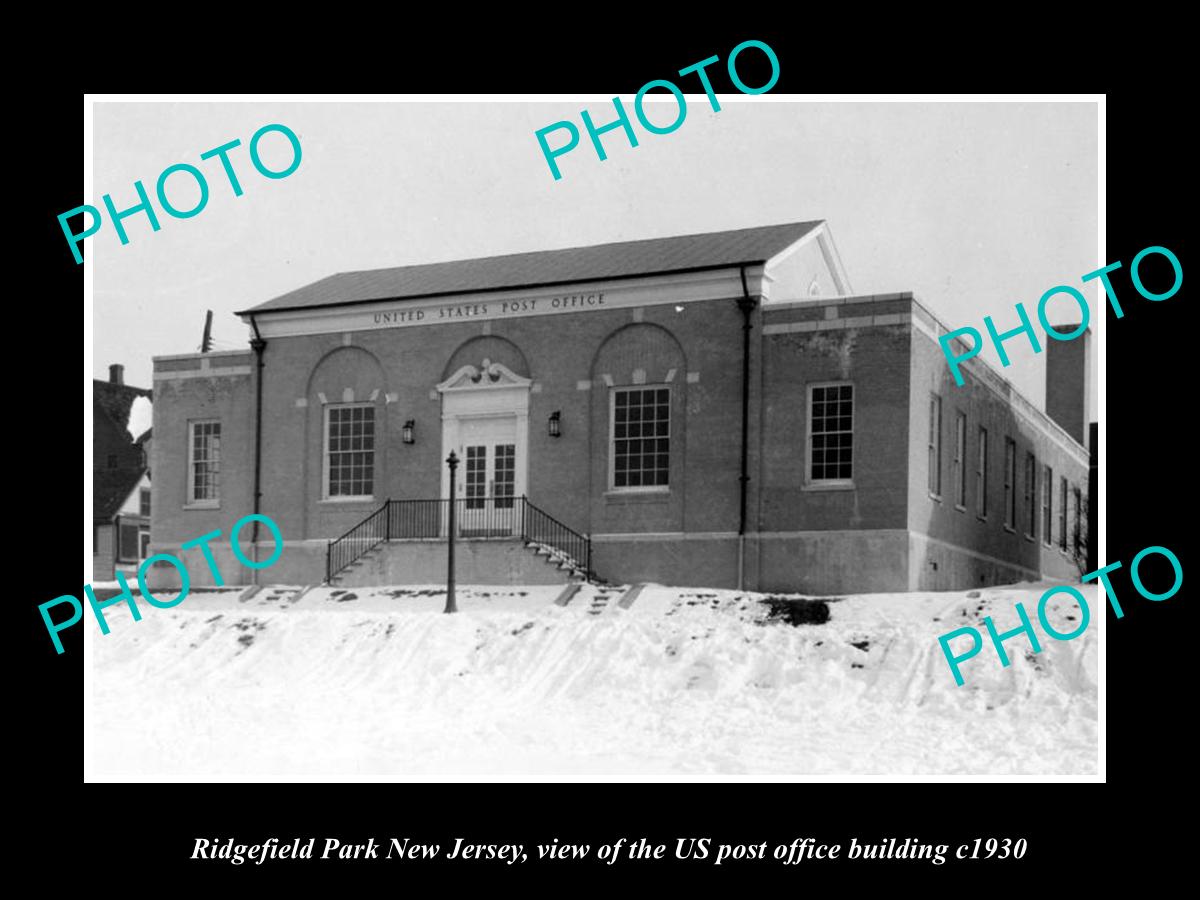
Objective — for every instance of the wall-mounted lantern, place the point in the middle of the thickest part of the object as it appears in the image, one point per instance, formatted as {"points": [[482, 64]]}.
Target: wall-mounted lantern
{"points": [[553, 424], [408, 431]]}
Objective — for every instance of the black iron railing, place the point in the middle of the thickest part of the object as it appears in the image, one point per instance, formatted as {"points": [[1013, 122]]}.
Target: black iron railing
{"points": [[359, 540], [541, 528], [477, 518]]}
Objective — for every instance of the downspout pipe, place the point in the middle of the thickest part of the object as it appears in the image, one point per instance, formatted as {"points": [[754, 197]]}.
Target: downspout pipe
{"points": [[258, 345], [746, 304]]}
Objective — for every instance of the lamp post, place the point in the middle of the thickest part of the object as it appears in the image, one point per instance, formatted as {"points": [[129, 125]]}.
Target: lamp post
{"points": [[451, 606]]}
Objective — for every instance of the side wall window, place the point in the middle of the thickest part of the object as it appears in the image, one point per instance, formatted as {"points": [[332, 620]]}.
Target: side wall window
{"points": [[1048, 506], [830, 433], [960, 460], [1062, 513], [935, 445], [981, 476], [204, 462], [1010, 483], [1030, 495]]}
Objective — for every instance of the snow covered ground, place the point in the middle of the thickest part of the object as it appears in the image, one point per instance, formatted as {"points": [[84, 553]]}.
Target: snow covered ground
{"points": [[378, 683]]}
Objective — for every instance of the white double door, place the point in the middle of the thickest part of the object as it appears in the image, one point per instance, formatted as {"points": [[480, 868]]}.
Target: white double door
{"points": [[490, 480]]}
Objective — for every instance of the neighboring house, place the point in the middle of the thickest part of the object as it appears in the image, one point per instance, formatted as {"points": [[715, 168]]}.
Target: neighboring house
{"points": [[120, 479]]}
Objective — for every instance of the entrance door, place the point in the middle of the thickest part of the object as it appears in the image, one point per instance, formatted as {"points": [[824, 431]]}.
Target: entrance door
{"points": [[488, 485]]}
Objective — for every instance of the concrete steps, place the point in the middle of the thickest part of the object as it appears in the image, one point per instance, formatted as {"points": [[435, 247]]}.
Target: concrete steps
{"points": [[601, 599], [556, 557], [278, 595], [477, 561], [342, 577]]}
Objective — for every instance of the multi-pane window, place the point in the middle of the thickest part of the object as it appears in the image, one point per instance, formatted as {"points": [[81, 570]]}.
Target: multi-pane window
{"points": [[1047, 506], [935, 445], [144, 502], [1030, 495], [641, 437], [830, 432], [1010, 483], [506, 470], [981, 475], [204, 462], [350, 450], [1062, 513], [960, 461], [475, 476]]}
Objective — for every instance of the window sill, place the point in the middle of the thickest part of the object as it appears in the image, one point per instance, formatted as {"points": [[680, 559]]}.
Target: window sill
{"points": [[960, 507], [828, 486], [937, 497], [618, 495], [343, 501], [1031, 538], [203, 504], [981, 518], [1010, 529]]}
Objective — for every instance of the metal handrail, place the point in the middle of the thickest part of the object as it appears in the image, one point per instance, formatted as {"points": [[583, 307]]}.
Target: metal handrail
{"points": [[490, 518], [576, 547], [364, 537]]}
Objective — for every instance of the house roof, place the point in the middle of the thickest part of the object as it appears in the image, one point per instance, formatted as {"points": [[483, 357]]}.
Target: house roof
{"points": [[117, 399], [110, 488], [627, 259]]}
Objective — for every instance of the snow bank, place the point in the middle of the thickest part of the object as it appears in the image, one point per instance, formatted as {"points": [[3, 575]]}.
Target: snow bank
{"points": [[378, 683]]}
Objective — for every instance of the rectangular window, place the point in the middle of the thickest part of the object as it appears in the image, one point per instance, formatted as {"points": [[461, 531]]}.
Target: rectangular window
{"points": [[506, 475], [144, 502], [204, 463], [350, 450], [1048, 506], [1010, 483], [1062, 513], [127, 542], [981, 476], [830, 433], [1030, 495], [1077, 538], [935, 446], [641, 430], [475, 476], [960, 461]]}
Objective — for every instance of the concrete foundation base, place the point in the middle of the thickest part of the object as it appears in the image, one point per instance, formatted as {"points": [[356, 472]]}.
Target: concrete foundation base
{"points": [[834, 562]]}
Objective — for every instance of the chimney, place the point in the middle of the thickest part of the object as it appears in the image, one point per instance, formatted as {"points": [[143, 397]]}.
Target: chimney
{"points": [[1068, 381], [116, 374]]}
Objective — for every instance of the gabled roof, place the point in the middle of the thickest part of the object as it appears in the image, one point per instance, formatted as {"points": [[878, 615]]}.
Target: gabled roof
{"points": [[117, 399], [111, 488], [627, 259]]}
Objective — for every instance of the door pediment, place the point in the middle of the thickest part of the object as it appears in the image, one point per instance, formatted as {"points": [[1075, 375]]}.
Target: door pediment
{"points": [[486, 376]]}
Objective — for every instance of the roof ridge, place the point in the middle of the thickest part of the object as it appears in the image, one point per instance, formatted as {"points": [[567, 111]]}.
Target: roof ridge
{"points": [[637, 257], [668, 237]]}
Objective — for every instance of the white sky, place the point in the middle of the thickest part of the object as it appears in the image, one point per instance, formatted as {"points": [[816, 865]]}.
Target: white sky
{"points": [[972, 206]]}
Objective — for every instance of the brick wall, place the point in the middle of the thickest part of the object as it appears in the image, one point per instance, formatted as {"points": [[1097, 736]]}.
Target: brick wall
{"points": [[996, 551]]}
